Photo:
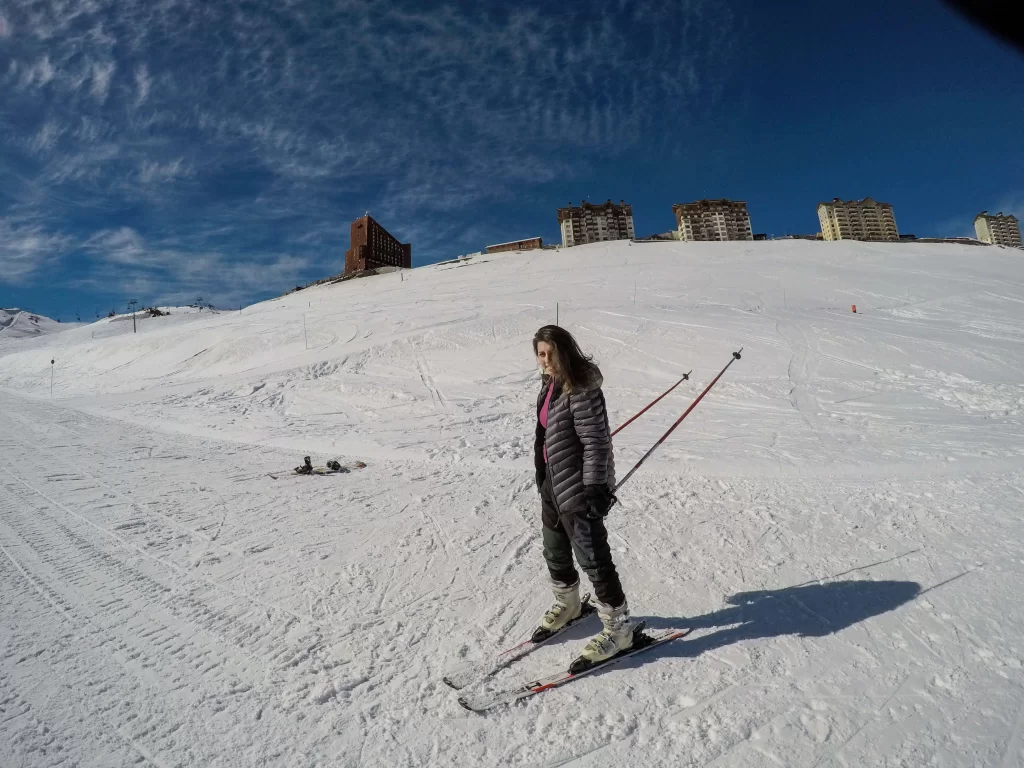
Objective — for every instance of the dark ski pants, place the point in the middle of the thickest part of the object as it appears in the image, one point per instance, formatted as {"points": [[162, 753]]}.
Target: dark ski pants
{"points": [[568, 533]]}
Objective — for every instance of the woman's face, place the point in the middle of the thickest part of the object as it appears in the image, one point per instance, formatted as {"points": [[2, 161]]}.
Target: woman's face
{"points": [[546, 358]]}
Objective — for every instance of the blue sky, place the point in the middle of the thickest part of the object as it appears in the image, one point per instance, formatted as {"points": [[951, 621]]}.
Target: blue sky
{"points": [[164, 149]]}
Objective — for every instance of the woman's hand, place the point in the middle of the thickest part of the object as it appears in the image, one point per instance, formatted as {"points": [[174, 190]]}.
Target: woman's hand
{"points": [[599, 500]]}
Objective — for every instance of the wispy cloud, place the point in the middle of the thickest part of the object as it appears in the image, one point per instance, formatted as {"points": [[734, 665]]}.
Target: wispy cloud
{"points": [[161, 273], [47, 136], [263, 128], [38, 74], [102, 73], [28, 250], [143, 82], [1011, 203], [122, 246], [151, 171]]}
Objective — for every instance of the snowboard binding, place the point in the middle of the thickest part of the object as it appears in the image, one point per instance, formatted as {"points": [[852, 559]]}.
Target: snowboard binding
{"points": [[306, 468]]}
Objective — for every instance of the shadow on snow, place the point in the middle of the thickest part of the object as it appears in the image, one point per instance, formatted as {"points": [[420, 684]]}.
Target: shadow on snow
{"points": [[814, 610]]}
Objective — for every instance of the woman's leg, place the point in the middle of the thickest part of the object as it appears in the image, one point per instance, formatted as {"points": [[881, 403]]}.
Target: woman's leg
{"points": [[590, 542], [557, 543]]}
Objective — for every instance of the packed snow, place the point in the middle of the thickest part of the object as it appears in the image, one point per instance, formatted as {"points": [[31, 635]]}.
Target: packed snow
{"points": [[839, 521]]}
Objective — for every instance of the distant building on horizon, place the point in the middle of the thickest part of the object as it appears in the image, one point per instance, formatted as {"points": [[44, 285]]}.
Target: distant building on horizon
{"points": [[658, 237], [710, 220], [998, 229], [857, 220], [529, 244], [595, 222], [954, 240], [372, 246]]}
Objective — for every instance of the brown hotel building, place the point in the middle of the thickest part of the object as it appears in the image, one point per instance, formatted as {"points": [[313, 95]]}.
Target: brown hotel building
{"points": [[373, 246]]}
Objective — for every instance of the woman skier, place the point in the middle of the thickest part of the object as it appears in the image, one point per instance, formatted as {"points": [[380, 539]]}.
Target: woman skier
{"points": [[575, 478]]}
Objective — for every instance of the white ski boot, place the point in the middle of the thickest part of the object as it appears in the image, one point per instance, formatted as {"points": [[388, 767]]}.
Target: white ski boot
{"points": [[617, 635], [567, 606]]}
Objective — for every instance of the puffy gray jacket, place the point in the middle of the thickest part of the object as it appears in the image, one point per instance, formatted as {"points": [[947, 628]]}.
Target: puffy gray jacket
{"points": [[578, 442]]}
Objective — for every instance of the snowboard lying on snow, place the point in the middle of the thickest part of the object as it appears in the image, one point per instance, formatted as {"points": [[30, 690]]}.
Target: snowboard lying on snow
{"points": [[331, 468]]}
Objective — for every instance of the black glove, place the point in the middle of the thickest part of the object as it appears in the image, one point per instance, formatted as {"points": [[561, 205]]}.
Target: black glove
{"points": [[541, 474], [599, 500]]}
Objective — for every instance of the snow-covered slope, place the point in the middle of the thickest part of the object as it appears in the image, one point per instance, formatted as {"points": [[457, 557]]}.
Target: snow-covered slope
{"points": [[839, 519], [17, 324]]}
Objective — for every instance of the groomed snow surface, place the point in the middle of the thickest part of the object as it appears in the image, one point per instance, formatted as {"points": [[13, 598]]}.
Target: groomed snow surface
{"points": [[840, 520]]}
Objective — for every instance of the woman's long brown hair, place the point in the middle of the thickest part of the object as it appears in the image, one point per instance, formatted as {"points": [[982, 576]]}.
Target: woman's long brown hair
{"points": [[574, 367]]}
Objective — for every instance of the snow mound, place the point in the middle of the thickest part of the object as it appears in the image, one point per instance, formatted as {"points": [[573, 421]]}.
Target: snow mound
{"points": [[16, 324]]}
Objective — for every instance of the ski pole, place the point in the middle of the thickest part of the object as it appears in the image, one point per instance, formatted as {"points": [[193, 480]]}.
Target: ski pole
{"points": [[735, 357], [686, 376]]}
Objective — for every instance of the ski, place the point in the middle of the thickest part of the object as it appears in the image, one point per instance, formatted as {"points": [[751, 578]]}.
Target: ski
{"points": [[641, 642], [472, 673]]}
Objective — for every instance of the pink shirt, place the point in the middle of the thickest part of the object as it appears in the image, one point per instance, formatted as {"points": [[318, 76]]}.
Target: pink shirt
{"points": [[544, 414]]}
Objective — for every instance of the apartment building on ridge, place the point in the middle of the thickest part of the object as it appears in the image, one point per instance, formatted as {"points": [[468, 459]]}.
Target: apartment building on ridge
{"points": [[594, 223], [998, 229], [857, 220], [713, 220]]}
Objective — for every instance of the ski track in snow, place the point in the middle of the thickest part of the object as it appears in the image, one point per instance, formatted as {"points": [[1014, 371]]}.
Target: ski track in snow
{"points": [[839, 520]]}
